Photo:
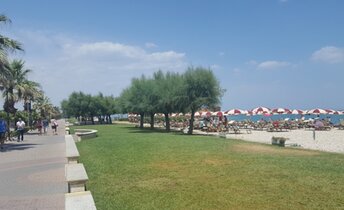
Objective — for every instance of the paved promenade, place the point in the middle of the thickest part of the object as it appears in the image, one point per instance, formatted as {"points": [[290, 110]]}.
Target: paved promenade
{"points": [[32, 172]]}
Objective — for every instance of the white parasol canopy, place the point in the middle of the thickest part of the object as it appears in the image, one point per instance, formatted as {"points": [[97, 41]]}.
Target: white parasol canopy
{"points": [[261, 110], [235, 112]]}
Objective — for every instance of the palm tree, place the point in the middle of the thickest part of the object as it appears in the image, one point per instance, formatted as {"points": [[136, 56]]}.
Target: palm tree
{"points": [[43, 106], [31, 91], [14, 86], [6, 45]]}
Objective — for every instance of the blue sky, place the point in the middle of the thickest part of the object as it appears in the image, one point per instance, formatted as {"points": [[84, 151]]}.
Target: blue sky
{"points": [[274, 53]]}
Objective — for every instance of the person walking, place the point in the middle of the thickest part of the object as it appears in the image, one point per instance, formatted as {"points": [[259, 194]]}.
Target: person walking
{"points": [[20, 129], [54, 126], [3, 130], [45, 125]]}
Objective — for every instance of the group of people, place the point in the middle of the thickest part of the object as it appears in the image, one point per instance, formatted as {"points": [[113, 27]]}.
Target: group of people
{"points": [[41, 125]]}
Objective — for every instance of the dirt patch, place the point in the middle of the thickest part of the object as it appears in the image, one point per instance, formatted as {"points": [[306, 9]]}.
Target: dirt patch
{"points": [[262, 149], [165, 165], [216, 162], [156, 184]]}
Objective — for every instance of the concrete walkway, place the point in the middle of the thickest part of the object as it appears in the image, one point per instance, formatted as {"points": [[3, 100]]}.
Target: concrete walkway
{"points": [[32, 172]]}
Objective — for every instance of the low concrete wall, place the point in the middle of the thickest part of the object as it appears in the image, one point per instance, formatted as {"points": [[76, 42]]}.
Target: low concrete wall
{"points": [[76, 178], [85, 133]]}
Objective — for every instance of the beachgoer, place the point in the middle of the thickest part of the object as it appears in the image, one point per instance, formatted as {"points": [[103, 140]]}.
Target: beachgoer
{"points": [[2, 132], [20, 129], [54, 126], [225, 122], [45, 125], [39, 126]]}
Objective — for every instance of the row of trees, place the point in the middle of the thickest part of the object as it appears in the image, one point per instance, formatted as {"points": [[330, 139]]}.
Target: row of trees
{"points": [[85, 107], [172, 92], [15, 85], [163, 93]]}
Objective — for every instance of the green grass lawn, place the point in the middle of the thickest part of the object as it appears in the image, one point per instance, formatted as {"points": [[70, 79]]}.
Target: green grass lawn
{"points": [[129, 168]]}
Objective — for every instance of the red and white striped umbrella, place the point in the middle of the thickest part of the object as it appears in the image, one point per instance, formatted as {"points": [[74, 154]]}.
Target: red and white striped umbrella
{"points": [[331, 111], [281, 111], [249, 113], [198, 114], [317, 111], [206, 114], [261, 110], [297, 111], [219, 114], [235, 112]]}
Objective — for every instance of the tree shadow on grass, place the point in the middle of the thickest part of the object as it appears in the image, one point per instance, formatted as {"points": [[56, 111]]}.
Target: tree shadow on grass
{"points": [[149, 130], [13, 147]]}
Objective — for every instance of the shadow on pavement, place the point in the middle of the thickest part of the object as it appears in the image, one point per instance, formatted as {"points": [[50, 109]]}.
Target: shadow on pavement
{"points": [[12, 147]]}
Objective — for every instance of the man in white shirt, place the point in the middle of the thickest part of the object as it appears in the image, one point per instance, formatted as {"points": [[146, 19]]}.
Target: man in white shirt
{"points": [[20, 129]]}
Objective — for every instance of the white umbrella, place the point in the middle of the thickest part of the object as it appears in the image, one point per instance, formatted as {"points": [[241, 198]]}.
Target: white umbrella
{"points": [[281, 111], [206, 114], [235, 112], [317, 111], [297, 111], [198, 114], [261, 110], [219, 114]]}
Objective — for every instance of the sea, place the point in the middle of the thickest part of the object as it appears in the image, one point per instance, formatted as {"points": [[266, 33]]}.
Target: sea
{"points": [[335, 119]]}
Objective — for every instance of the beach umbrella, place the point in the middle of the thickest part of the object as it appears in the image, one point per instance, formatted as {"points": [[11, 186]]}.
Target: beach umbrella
{"points": [[281, 111], [261, 110], [206, 114], [219, 114], [317, 111], [249, 113], [235, 112], [331, 111], [297, 111], [198, 114]]}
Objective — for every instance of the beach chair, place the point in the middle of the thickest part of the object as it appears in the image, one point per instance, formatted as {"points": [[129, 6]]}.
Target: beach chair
{"points": [[341, 125]]}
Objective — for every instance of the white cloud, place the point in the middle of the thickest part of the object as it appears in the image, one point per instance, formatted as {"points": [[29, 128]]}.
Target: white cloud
{"points": [[267, 65], [150, 45], [329, 54], [62, 64]]}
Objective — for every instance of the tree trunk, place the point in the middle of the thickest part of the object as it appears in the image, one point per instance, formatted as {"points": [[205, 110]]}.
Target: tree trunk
{"points": [[167, 122], [8, 126], [152, 120], [142, 115], [92, 120], [191, 122], [110, 120]]}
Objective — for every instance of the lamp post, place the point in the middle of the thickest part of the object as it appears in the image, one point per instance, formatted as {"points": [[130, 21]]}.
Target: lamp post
{"points": [[8, 119], [27, 107]]}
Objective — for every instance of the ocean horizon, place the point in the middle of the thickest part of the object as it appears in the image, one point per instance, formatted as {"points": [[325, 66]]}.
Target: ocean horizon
{"points": [[335, 119]]}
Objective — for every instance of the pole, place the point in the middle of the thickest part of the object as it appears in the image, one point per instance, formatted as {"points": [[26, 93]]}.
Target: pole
{"points": [[8, 119]]}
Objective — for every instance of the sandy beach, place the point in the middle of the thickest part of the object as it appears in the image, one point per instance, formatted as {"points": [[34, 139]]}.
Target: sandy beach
{"points": [[330, 141]]}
